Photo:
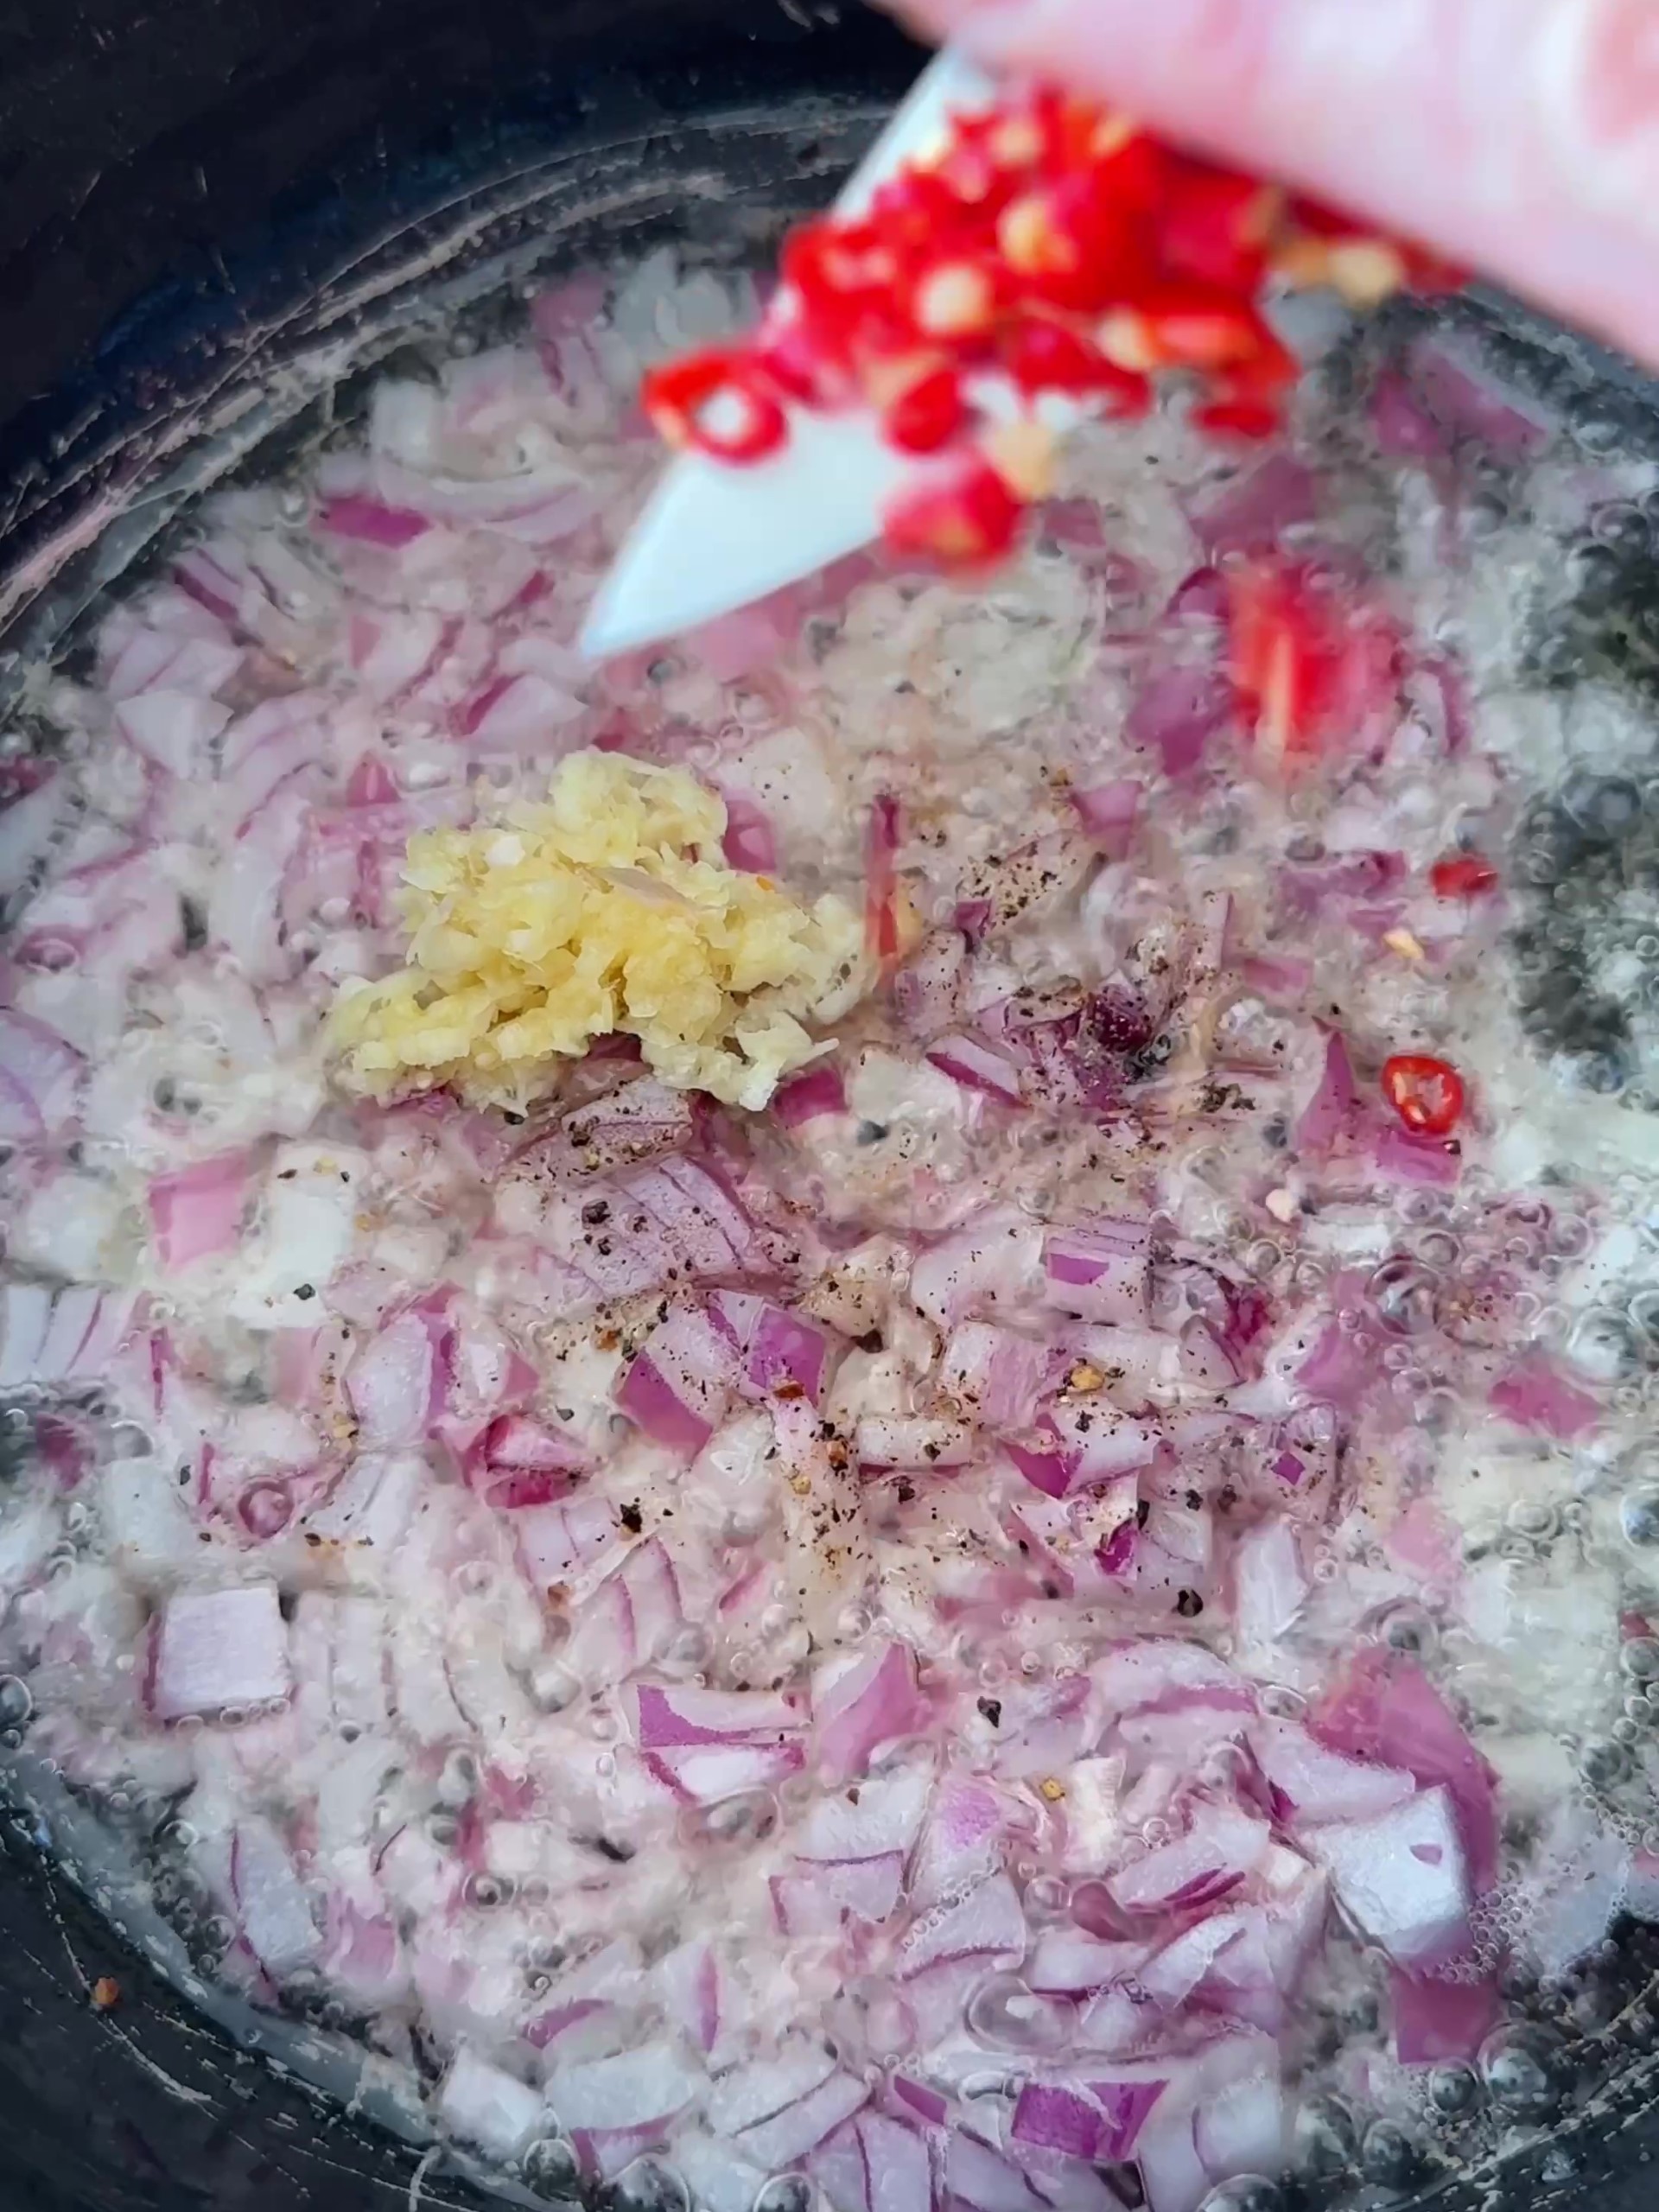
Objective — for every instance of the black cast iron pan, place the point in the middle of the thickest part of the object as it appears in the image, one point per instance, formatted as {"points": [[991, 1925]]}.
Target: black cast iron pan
{"points": [[205, 205]]}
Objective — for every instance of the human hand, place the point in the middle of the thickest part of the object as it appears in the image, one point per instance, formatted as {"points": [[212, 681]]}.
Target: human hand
{"points": [[1518, 136]]}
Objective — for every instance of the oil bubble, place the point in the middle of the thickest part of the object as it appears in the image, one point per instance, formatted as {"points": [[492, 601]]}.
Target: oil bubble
{"points": [[652, 2185], [1453, 2089], [785, 2193], [1518, 2071], [1638, 1516], [1389, 2155], [1326, 2141], [552, 2168], [1404, 1294], [1244, 2193]]}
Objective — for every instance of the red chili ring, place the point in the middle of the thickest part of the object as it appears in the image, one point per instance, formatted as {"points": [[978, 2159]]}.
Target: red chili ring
{"points": [[1426, 1094]]}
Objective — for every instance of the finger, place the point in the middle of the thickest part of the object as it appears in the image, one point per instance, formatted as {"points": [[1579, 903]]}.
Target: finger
{"points": [[1520, 136]]}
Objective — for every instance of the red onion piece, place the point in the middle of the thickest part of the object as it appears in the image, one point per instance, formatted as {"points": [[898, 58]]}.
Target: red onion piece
{"points": [[670, 1718], [1403, 428], [1259, 509], [810, 1096], [1108, 813], [198, 1210], [912, 1441], [706, 1774], [1313, 1783], [994, 1375], [516, 1461], [862, 1703], [1179, 714], [979, 2176], [995, 1261], [987, 1923], [1458, 394], [1405, 1157], [678, 1383], [633, 2089], [1440, 2023], [977, 1066], [781, 1355], [1400, 1876], [800, 2128], [370, 521], [749, 842], [40, 1077], [1050, 1471], [1101, 1272], [218, 1648], [1387, 1712], [1053, 2119], [1331, 1113], [395, 1383], [1535, 1395]]}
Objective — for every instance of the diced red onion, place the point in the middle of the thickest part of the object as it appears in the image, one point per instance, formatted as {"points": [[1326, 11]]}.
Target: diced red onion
{"points": [[862, 1703], [1101, 1272], [809, 1096], [677, 1386], [749, 842], [1387, 1711], [1179, 713], [987, 1923], [1257, 512], [1535, 1395], [395, 1383], [1404, 1156], [1330, 1114], [1108, 813], [668, 1718], [1400, 1876], [789, 2135], [1457, 394], [1440, 2023], [912, 1441], [482, 2104], [218, 1648], [977, 1066], [994, 1262], [196, 1212], [370, 521]]}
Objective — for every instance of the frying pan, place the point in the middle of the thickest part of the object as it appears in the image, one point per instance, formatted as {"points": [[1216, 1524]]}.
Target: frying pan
{"points": [[216, 218]]}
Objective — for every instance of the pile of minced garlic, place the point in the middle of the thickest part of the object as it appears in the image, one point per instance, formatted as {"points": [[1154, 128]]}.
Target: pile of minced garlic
{"points": [[607, 909]]}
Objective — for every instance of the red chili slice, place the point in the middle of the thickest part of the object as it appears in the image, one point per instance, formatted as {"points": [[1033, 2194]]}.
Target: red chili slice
{"points": [[1216, 227], [713, 401], [928, 414], [1043, 355], [967, 517], [1462, 875], [954, 297], [1252, 420], [1426, 1093]]}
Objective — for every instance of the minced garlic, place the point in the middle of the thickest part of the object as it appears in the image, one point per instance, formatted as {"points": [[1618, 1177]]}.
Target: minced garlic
{"points": [[606, 908]]}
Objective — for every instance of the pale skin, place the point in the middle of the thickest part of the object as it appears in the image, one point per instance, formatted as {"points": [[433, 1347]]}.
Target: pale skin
{"points": [[1518, 136]]}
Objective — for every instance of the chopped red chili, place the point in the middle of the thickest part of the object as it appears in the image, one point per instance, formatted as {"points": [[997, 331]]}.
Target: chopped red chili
{"points": [[1051, 239], [1462, 875], [1426, 1093]]}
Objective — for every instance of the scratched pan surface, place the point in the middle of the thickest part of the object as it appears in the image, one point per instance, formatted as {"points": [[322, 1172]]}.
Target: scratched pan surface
{"points": [[210, 214]]}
